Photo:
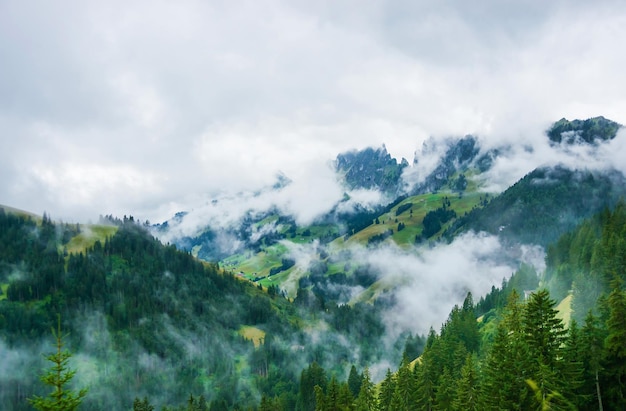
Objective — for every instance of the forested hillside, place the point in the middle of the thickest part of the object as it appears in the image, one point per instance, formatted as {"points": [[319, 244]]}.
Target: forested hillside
{"points": [[146, 320], [519, 354], [544, 204]]}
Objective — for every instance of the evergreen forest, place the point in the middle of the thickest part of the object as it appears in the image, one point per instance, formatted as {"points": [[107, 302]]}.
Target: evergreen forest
{"points": [[145, 326]]}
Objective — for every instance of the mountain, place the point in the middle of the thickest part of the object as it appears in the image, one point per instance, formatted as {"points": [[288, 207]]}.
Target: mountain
{"points": [[544, 204], [279, 307], [371, 169], [590, 131], [145, 319], [457, 157]]}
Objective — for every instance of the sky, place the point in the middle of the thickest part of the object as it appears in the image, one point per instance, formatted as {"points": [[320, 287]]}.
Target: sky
{"points": [[152, 107]]}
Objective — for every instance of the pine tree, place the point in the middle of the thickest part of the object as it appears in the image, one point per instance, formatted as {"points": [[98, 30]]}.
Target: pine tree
{"points": [[366, 400], [405, 387], [573, 369], [446, 386], [592, 341], [313, 376], [387, 388], [545, 336], [354, 381], [142, 405], [59, 375], [505, 369], [615, 348], [467, 387]]}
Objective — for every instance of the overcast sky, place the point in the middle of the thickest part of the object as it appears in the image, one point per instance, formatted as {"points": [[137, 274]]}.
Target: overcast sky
{"points": [[143, 107]]}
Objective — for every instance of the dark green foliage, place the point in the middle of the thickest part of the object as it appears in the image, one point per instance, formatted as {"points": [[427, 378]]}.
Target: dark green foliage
{"points": [[313, 376], [468, 387], [366, 400], [385, 394], [543, 205], [506, 365], [354, 381], [379, 238], [414, 346], [402, 208], [543, 331], [614, 361], [142, 405], [434, 220]]}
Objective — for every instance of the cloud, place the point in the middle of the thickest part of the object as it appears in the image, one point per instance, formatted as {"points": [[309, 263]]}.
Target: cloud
{"points": [[426, 283], [199, 97]]}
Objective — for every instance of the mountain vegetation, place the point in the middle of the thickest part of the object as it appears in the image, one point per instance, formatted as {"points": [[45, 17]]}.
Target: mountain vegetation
{"points": [[196, 326], [148, 321], [546, 203]]}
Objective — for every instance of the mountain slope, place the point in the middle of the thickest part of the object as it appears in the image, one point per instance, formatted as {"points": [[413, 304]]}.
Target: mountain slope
{"points": [[545, 204]]}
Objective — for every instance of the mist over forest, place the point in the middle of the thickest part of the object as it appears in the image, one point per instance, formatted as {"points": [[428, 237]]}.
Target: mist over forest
{"points": [[404, 282], [312, 206]]}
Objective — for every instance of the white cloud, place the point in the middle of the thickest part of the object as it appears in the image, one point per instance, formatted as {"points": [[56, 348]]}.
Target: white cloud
{"points": [[203, 97], [427, 283]]}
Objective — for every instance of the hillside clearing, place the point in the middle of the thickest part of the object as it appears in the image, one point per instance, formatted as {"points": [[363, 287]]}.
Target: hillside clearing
{"points": [[88, 236], [253, 334]]}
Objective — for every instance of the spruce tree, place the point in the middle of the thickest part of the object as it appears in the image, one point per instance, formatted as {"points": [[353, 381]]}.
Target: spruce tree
{"points": [[615, 348], [58, 377], [506, 366], [467, 387], [354, 381], [545, 336], [387, 388], [142, 405], [592, 340], [366, 400]]}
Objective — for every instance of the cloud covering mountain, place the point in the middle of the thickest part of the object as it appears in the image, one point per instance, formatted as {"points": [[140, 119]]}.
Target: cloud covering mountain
{"points": [[144, 107]]}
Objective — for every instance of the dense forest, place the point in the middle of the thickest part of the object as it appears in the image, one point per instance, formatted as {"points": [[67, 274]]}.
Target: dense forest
{"points": [[147, 321], [150, 327], [510, 350]]}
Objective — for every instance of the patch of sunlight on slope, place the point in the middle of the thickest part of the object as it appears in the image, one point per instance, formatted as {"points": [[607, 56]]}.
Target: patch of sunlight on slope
{"points": [[88, 236], [564, 310], [4, 287], [253, 334]]}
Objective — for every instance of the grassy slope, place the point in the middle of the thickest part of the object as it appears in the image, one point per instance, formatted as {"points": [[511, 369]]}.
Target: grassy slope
{"points": [[564, 309], [88, 236], [259, 265], [421, 205], [253, 334]]}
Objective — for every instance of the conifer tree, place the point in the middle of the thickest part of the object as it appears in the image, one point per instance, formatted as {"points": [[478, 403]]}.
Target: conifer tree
{"points": [[354, 381], [387, 388], [545, 336], [404, 393], [615, 348], [58, 377], [592, 340], [366, 400], [446, 386], [505, 371], [572, 369], [467, 387], [142, 405]]}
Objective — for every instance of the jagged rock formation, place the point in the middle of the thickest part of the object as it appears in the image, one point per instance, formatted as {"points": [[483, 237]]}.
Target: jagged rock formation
{"points": [[588, 131], [371, 169]]}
